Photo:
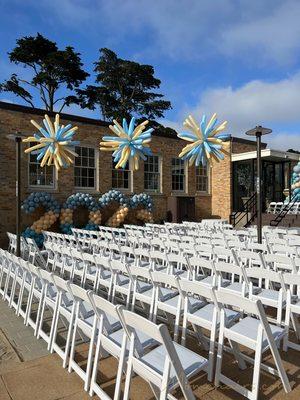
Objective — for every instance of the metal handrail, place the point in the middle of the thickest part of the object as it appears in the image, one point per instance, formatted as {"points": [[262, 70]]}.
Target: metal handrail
{"points": [[283, 212], [249, 207]]}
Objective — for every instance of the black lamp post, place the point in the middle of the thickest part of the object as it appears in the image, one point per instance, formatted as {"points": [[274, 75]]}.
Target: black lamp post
{"points": [[17, 137], [259, 131]]}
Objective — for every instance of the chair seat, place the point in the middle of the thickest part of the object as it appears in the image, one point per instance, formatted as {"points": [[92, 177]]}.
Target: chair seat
{"points": [[144, 286], [191, 362], [248, 328], [268, 294], [144, 339], [235, 287], [122, 280], [209, 280], [206, 313]]}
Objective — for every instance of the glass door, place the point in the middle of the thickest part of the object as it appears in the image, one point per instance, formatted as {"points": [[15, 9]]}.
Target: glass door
{"points": [[242, 183]]}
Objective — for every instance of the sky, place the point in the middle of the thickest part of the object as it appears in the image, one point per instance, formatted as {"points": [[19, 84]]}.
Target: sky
{"points": [[238, 58]]}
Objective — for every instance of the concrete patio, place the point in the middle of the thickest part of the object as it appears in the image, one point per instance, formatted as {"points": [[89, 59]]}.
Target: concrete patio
{"points": [[29, 372]]}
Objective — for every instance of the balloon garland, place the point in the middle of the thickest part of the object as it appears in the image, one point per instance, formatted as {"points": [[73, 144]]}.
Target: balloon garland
{"points": [[207, 140], [142, 199], [130, 143], [118, 217], [33, 201], [112, 195], [295, 186], [65, 213], [74, 201], [55, 144]]}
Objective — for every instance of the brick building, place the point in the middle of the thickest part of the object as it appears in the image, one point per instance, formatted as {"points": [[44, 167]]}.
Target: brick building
{"points": [[189, 192]]}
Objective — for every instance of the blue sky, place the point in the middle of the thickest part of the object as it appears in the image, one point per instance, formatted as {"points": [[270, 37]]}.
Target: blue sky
{"points": [[238, 58]]}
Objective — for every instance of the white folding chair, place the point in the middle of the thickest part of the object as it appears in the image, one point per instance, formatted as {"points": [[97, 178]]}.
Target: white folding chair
{"points": [[253, 332], [166, 366]]}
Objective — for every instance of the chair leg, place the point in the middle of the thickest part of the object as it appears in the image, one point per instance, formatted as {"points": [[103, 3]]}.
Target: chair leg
{"points": [[237, 355], [220, 353], [257, 363]]}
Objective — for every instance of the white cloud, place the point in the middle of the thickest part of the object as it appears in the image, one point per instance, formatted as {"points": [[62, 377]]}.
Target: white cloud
{"points": [[271, 36], [253, 30], [257, 102]]}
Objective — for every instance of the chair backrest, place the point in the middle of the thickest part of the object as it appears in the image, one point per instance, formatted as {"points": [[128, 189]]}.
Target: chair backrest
{"points": [[103, 309], [232, 300], [194, 288], [279, 262]]}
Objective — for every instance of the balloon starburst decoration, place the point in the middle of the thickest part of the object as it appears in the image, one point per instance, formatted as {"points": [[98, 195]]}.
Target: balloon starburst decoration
{"points": [[130, 142], [207, 140], [55, 144]]}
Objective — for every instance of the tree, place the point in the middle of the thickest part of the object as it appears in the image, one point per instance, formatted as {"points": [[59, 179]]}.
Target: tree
{"points": [[53, 71], [124, 89]]}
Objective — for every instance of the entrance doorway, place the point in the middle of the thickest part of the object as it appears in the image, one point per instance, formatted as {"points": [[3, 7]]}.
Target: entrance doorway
{"points": [[275, 179]]}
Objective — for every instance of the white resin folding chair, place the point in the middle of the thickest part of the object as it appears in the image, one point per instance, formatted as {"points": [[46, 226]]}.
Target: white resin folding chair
{"points": [[226, 255], [255, 333], [122, 284], [232, 278], [36, 256], [110, 338], [104, 282], [167, 299], [159, 260], [142, 257], [202, 310], [166, 366], [142, 289], [64, 312], [267, 286], [292, 281], [251, 259]]}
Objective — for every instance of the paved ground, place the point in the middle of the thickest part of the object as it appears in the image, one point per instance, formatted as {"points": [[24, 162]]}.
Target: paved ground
{"points": [[29, 372]]}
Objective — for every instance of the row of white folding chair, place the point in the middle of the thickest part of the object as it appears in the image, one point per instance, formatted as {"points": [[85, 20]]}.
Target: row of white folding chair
{"points": [[106, 322], [72, 365]]}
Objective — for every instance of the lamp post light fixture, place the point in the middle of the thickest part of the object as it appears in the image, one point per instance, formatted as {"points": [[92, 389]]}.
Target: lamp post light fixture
{"points": [[17, 137], [259, 131]]}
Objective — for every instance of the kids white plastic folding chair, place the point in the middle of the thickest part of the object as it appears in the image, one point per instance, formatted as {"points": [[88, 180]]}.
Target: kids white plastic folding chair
{"points": [[267, 286], [165, 367], [292, 281], [202, 310], [255, 333]]}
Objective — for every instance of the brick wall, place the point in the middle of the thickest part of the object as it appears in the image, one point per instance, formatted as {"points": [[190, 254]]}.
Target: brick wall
{"points": [[17, 118]]}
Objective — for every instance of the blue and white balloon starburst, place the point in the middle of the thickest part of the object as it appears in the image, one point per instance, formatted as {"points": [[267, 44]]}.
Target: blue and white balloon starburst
{"points": [[207, 140], [55, 144], [130, 143]]}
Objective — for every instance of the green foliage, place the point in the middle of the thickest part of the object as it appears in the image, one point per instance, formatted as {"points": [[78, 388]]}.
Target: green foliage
{"points": [[52, 70], [124, 89]]}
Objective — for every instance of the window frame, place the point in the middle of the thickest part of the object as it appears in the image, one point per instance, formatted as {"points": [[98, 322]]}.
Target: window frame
{"points": [[54, 173], [185, 176], [130, 176], [96, 169], [159, 189], [205, 192]]}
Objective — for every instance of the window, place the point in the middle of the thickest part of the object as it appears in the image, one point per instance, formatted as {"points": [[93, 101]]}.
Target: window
{"points": [[152, 174], [85, 168], [121, 178], [178, 175], [202, 179], [39, 176]]}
